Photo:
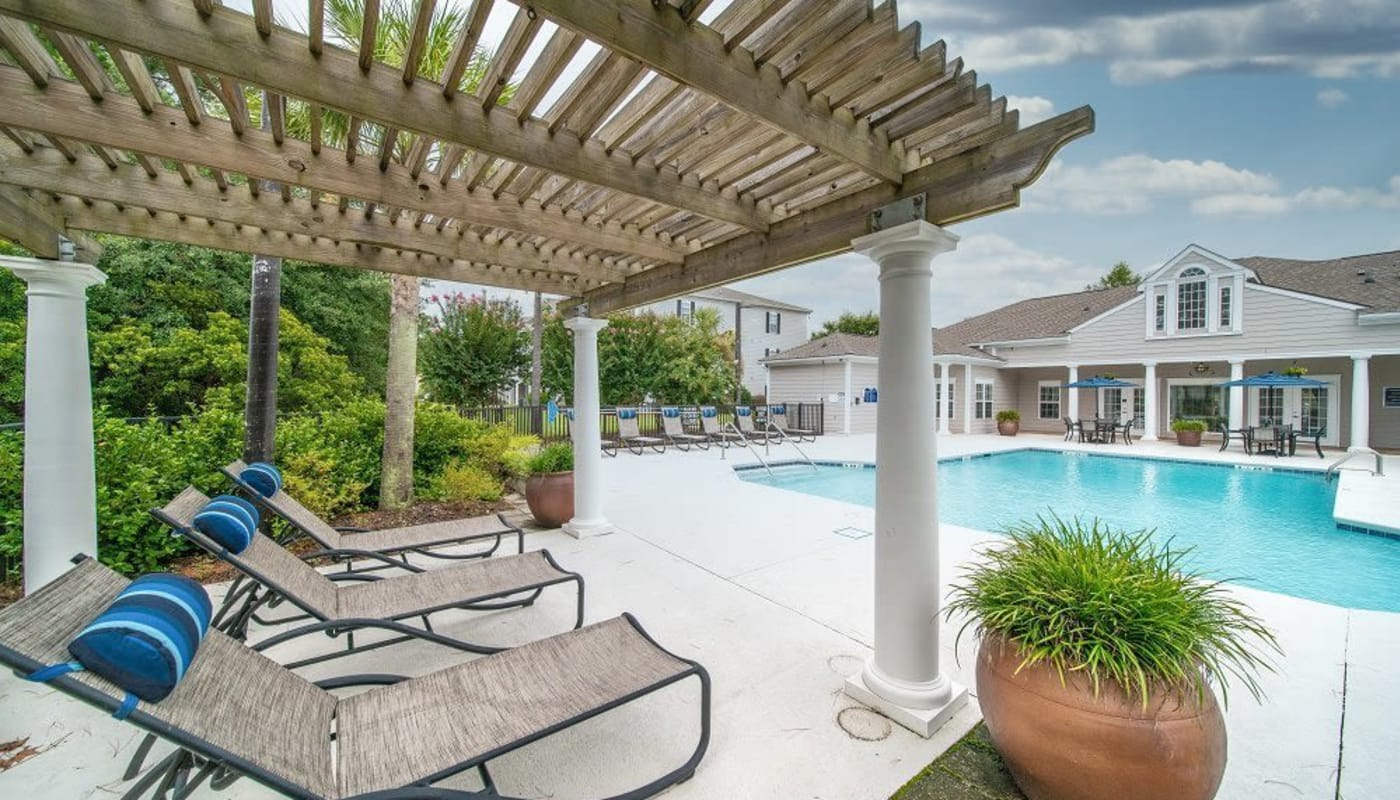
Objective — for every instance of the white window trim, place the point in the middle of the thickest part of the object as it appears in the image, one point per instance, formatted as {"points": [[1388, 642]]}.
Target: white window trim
{"points": [[951, 406], [1172, 382], [1060, 403], [990, 401]]}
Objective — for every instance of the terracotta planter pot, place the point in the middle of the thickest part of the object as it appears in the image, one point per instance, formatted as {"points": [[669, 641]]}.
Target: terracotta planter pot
{"points": [[1063, 743], [1188, 438], [1008, 428], [551, 498]]}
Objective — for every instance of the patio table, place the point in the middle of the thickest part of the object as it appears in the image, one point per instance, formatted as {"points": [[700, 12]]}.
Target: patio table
{"points": [[1245, 435]]}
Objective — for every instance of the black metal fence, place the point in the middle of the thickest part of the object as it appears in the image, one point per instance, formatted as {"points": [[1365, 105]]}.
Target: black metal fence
{"points": [[534, 420]]}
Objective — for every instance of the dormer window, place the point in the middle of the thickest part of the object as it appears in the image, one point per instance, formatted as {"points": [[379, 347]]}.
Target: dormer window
{"points": [[1191, 300]]}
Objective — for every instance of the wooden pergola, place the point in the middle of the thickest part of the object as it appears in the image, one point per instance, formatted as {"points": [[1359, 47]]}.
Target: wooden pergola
{"points": [[683, 156]]}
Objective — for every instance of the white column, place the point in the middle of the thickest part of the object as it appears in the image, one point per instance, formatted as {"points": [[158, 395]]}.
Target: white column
{"points": [[1149, 401], [969, 391], [60, 484], [1073, 393], [902, 679], [1360, 403], [588, 443], [846, 408], [947, 402], [1236, 395]]}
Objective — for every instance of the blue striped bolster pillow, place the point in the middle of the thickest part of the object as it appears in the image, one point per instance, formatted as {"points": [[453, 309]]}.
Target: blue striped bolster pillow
{"points": [[778, 409], [670, 411], [263, 478], [708, 412], [627, 413], [742, 411], [230, 521], [146, 639]]}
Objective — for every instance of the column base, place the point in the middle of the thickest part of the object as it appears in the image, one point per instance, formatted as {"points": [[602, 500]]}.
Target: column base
{"points": [[1359, 449], [1148, 437], [945, 699], [585, 528]]}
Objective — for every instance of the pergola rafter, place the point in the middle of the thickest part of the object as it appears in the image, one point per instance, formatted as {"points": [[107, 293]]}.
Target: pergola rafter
{"points": [[683, 155]]}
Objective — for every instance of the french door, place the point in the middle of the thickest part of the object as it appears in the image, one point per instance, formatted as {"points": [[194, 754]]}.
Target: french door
{"points": [[1307, 408]]}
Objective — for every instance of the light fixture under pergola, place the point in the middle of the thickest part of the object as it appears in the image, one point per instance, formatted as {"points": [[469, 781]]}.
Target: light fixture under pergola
{"points": [[682, 156]]}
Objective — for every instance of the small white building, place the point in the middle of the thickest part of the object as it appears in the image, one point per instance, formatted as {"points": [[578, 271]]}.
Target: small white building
{"points": [[762, 327], [1196, 321]]}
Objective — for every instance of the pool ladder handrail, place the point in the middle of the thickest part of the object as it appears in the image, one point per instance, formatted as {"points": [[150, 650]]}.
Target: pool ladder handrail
{"points": [[735, 428], [783, 437], [1335, 467]]}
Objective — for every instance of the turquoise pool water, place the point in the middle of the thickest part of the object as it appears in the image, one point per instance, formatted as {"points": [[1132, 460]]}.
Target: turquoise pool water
{"points": [[1272, 529]]}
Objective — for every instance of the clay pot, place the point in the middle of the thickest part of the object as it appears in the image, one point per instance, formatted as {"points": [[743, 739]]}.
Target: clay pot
{"points": [[1063, 743], [551, 498], [1188, 438], [1008, 428]]}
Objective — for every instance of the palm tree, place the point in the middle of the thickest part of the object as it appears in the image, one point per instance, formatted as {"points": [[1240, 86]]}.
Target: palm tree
{"points": [[344, 23]]}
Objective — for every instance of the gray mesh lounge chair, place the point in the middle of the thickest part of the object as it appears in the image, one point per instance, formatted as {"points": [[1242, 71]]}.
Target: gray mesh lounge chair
{"points": [[777, 418], [709, 423], [631, 436], [743, 415], [343, 602], [418, 539], [237, 713], [675, 432]]}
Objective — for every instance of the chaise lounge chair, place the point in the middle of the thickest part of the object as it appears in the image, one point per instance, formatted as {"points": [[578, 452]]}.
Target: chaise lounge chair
{"points": [[343, 602], [709, 423], [675, 432], [743, 415], [631, 436], [419, 539], [236, 713], [777, 418]]}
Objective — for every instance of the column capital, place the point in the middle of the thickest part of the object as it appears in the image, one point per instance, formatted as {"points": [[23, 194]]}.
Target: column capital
{"points": [[1237, 362], [67, 277], [911, 237], [1152, 364], [1361, 357], [577, 324]]}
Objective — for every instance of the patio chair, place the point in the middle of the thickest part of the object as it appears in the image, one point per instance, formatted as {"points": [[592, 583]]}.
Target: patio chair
{"points": [[709, 423], [610, 445], [630, 434], [1316, 437], [418, 539], [743, 416], [1073, 429], [344, 602], [777, 418], [1127, 431], [1245, 435], [675, 432], [235, 713]]}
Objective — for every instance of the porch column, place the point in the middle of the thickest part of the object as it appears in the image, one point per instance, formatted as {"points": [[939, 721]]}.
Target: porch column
{"points": [[60, 484], [947, 398], [1073, 393], [1360, 403], [1149, 402], [588, 443], [902, 678], [968, 389], [846, 406], [1236, 396]]}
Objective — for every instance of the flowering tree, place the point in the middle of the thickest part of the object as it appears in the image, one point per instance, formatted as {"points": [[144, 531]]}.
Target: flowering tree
{"points": [[472, 349]]}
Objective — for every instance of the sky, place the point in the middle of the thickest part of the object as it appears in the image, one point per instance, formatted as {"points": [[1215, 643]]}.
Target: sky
{"points": [[1265, 128]]}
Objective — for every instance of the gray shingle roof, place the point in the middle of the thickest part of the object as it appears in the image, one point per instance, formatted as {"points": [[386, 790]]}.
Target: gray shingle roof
{"points": [[728, 295], [1036, 318], [1342, 279], [830, 346]]}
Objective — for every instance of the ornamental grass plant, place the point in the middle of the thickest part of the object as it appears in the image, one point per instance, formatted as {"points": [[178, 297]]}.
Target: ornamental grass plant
{"points": [[1115, 606]]}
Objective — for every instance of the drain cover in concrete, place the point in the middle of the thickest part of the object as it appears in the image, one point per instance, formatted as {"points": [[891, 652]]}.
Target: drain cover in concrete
{"points": [[864, 724], [852, 533]]}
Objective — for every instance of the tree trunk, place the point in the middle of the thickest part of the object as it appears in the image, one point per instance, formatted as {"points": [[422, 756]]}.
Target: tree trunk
{"points": [[401, 386], [260, 409]]}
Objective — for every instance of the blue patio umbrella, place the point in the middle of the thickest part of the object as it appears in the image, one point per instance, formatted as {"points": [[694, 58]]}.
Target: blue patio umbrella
{"points": [[1271, 379], [1100, 383]]}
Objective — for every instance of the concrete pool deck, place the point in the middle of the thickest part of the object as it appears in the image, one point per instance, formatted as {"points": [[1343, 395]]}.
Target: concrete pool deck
{"points": [[756, 584]]}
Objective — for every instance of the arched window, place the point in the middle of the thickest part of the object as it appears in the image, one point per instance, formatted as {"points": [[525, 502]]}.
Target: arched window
{"points": [[1191, 299]]}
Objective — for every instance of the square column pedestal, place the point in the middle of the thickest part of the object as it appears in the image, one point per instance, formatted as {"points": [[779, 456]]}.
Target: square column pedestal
{"points": [[902, 680]]}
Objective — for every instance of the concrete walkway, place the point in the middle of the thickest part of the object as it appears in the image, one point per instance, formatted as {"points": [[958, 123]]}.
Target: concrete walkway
{"points": [[755, 583]]}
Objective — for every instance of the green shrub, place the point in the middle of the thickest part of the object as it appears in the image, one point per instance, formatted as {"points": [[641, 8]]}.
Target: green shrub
{"points": [[464, 483], [330, 461], [1008, 415], [11, 502], [1115, 606], [1186, 425], [558, 457]]}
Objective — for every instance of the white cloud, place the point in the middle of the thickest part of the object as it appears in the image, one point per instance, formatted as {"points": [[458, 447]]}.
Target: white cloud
{"points": [[1323, 198], [1129, 184], [1332, 98], [1033, 109]]}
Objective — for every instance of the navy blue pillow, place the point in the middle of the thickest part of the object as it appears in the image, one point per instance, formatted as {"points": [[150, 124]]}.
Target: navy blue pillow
{"points": [[146, 639], [264, 478], [230, 521]]}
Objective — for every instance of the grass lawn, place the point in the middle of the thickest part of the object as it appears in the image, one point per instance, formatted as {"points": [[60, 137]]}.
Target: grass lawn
{"points": [[970, 770]]}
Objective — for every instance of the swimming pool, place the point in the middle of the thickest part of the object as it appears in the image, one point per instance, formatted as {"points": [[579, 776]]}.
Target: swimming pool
{"points": [[1271, 529]]}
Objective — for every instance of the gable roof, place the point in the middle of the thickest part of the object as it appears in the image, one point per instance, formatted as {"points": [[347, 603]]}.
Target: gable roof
{"points": [[1037, 318], [1370, 280], [836, 345], [727, 295]]}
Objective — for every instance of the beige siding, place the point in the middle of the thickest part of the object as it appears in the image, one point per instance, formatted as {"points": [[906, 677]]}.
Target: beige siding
{"points": [[1385, 422]]}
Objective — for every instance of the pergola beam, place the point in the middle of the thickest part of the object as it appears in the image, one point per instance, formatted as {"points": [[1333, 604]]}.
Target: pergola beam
{"points": [[971, 184], [228, 43], [63, 109], [128, 185], [36, 226], [695, 55], [107, 218]]}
